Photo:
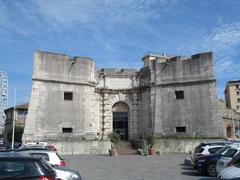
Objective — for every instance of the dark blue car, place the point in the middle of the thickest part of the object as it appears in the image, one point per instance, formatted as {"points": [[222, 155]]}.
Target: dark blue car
{"points": [[206, 164]]}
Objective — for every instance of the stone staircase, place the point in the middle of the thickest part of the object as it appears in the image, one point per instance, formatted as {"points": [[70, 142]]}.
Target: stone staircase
{"points": [[125, 148]]}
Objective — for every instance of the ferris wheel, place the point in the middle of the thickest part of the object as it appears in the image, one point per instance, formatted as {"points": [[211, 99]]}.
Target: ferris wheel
{"points": [[3, 98]]}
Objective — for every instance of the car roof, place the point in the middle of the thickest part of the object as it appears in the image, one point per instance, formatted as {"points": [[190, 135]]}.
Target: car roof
{"points": [[17, 156], [235, 147], [214, 146], [216, 143], [33, 148], [36, 151]]}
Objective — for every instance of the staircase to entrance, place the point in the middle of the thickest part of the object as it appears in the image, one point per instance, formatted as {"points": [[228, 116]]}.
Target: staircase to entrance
{"points": [[125, 148]]}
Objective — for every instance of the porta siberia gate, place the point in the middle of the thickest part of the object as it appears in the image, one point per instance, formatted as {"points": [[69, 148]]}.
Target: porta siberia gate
{"points": [[120, 119]]}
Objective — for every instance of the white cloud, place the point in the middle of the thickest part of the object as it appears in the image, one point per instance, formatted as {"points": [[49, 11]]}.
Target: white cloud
{"points": [[224, 41], [87, 11], [224, 38]]}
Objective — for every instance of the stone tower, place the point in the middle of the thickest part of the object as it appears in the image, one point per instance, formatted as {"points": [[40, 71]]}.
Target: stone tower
{"points": [[75, 106]]}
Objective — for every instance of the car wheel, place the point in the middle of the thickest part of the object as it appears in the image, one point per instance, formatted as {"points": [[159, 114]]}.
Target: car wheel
{"points": [[211, 169]]}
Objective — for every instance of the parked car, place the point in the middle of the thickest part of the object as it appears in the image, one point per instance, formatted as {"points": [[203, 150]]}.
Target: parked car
{"points": [[40, 145], [17, 167], [226, 158], [62, 173], [230, 173], [206, 164], [51, 156]]}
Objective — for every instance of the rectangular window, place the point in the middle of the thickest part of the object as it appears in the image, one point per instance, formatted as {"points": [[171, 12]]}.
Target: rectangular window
{"points": [[238, 93], [179, 94], [238, 100], [237, 86], [238, 106], [68, 96], [67, 130], [181, 129]]}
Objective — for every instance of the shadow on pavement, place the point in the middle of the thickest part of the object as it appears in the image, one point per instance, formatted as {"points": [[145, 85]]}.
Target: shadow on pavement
{"points": [[208, 178], [191, 173]]}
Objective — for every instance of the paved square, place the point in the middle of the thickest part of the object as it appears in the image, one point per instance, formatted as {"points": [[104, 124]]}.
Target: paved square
{"points": [[133, 167]]}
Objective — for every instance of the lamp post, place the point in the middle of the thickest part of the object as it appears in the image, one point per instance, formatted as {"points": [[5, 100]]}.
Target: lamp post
{"points": [[14, 117]]}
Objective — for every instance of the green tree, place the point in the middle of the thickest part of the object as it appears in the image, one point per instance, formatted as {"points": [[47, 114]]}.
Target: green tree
{"points": [[17, 134]]}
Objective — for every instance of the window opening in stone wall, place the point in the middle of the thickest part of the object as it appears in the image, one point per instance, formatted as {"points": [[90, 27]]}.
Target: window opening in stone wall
{"points": [[181, 129], [238, 93], [237, 86], [67, 130], [68, 96], [238, 100], [179, 94]]}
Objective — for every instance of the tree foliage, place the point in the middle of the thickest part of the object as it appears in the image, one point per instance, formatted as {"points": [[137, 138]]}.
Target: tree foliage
{"points": [[17, 134]]}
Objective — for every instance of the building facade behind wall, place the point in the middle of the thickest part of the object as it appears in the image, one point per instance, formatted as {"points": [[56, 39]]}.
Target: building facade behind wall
{"points": [[169, 96], [232, 95]]}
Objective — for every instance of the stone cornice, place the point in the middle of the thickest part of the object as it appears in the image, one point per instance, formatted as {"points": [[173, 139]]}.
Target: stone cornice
{"points": [[65, 82]]}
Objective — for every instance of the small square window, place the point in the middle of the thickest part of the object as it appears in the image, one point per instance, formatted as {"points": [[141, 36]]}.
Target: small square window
{"points": [[181, 129], [67, 130], [179, 94], [238, 93], [238, 100], [68, 96]]}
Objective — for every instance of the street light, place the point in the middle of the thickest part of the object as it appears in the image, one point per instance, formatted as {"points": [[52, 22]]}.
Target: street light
{"points": [[14, 118]]}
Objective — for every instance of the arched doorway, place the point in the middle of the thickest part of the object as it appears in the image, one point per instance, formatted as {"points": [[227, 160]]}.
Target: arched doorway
{"points": [[120, 119], [229, 132]]}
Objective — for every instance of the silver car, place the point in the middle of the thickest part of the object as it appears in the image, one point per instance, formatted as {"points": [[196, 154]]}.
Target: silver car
{"points": [[232, 172], [223, 162]]}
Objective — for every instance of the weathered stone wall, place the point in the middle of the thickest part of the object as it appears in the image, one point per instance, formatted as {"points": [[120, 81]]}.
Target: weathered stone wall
{"points": [[94, 147], [198, 110], [49, 112], [179, 145]]}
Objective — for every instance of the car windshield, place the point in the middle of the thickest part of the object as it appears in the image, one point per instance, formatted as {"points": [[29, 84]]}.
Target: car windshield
{"points": [[220, 151], [237, 165], [230, 153]]}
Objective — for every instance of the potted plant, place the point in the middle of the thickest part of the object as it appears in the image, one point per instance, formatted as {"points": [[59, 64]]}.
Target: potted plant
{"points": [[151, 142], [114, 139]]}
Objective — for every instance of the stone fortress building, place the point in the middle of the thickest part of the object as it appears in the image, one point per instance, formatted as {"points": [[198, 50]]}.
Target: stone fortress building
{"points": [[74, 104]]}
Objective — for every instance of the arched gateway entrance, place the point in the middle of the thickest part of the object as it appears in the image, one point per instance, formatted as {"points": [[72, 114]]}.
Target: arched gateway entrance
{"points": [[120, 119]]}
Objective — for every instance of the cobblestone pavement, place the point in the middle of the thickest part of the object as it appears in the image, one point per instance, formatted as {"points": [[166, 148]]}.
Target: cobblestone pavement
{"points": [[133, 167]]}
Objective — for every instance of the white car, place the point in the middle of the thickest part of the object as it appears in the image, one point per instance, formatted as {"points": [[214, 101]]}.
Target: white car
{"points": [[232, 172], [51, 156], [227, 157]]}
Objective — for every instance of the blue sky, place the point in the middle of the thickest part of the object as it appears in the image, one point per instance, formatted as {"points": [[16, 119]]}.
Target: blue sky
{"points": [[116, 33]]}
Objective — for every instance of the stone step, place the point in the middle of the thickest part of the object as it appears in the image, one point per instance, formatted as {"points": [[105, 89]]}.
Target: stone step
{"points": [[125, 148]]}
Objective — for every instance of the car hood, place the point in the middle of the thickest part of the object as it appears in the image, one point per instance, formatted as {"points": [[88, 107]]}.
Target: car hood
{"points": [[230, 172]]}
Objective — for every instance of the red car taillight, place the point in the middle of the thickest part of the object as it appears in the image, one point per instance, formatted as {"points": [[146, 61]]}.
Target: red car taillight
{"points": [[62, 163], [45, 178]]}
